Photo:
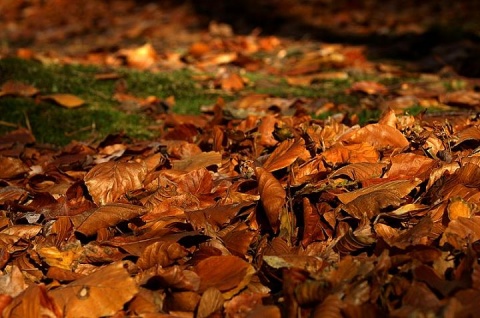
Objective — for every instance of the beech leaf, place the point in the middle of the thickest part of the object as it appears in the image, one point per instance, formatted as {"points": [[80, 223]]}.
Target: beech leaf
{"points": [[272, 196], [65, 100], [102, 293], [89, 222], [285, 154], [108, 181]]}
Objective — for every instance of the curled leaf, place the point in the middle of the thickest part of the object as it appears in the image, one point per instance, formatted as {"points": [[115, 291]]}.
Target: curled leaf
{"points": [[272, 196]]}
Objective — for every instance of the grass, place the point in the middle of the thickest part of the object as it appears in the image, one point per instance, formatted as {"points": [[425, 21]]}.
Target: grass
{"points": [[102, 115]]}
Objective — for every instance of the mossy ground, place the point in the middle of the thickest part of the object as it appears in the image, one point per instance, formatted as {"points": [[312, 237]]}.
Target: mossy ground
{"points": [[102, 115]]}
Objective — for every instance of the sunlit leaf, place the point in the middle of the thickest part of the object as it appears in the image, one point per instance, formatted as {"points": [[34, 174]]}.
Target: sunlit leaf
{"points": [[65, 100], [15, 88], [108, 181], [226, 273], [272, 196], [89, 222], [285, 154], [102, 293]]}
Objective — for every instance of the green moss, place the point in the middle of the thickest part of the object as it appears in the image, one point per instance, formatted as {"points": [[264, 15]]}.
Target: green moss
{"points": [[101, 115]]}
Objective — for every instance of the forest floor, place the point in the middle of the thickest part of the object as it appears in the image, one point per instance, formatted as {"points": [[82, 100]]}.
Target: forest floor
{"points": [[159, 163]]}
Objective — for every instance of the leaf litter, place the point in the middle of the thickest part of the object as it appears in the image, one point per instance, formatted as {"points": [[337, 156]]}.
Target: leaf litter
{"points": [[254, 208]]}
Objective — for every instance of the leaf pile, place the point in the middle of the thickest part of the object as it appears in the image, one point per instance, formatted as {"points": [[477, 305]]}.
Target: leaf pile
{"points": [[264, 215]]}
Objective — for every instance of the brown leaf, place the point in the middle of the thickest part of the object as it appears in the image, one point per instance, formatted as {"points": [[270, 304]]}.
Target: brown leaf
{"points": [[212, 300], [226, 273], [360, 171], [379, 136], [285, 154], [161, 254], [12, 283], [371, 200], [89, 222], [232, 82], [102, 293], [108, 181], [272, 196], [370, 88], [202, 160], [356, 153], [34, 302], [17, 89], [461, 99], [12, 167], [461, 231], [409, 165], [65, 100]]}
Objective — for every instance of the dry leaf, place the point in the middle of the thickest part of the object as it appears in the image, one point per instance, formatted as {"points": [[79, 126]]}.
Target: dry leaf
{"points": [[229, 274], [212, 300], [102, 293], [272, 196], [65, 100], [12, 167], [379, 136], [108, 181], [17, 89], [89, 222], [161, 254], [285, 154]]}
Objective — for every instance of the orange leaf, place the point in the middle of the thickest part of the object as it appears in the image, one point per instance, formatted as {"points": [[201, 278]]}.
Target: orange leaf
{"points": [[89, 222], [370, 88], [161, 254], [65, 100], [360, 171], [379, 136], [201, 160], [12, 167], [212, 300], [108, 181], [227, 273], [369, 201], [285, 154], [102, 293], [361, 152], [17, 89], [409, 165], [272, 196], [461, 231]]}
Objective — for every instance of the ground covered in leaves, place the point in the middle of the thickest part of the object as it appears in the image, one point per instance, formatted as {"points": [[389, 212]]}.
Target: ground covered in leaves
{"points": [[262, 204]]}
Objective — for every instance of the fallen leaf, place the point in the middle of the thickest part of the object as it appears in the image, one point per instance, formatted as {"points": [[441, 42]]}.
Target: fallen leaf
{"points": [[225, 273], [272, 196], [14, 88], [212, 300], [89, 222], [65, 100], [108, 181], [285, 154], [102, 293], [370, 88]]}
